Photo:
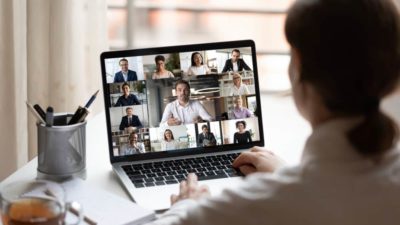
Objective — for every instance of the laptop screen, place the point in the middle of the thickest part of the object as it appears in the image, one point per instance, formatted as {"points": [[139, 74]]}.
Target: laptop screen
{"points": [[181, 100]]}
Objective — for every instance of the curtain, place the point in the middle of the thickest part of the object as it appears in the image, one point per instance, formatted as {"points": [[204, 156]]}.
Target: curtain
{"points": [[49, 55]]}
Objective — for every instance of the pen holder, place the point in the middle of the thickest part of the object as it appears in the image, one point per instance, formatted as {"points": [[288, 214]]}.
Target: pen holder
{"points": [[61, 149]]}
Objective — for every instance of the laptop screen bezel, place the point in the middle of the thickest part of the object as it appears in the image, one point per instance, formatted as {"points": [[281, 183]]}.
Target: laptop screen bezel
{"points": [[172, 49]]}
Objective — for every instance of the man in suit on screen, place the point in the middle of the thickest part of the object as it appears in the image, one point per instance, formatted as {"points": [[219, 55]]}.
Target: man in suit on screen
{"points": [[235, 63], [125, 74], [130, 120]]}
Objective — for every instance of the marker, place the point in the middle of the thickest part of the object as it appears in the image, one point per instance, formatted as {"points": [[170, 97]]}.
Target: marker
{"points": [[35, 113], [81, 113], [49, 116], [40, 111]]}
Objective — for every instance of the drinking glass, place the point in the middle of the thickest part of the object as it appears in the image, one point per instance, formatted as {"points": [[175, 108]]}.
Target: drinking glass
{"points": [[36, 202]]}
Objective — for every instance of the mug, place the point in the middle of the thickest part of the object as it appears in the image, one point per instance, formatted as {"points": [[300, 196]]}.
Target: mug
{"points": [[36, 202]]}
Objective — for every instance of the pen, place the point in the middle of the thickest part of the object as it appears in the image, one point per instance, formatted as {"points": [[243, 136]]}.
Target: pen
{"points": [[91, 99], [49, 116], [35, 113], [40, 111], [81, 113]]}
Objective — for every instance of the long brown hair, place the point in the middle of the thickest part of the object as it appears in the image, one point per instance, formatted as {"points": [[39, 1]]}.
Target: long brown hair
{"points": [[350, 53], [172, 134]]}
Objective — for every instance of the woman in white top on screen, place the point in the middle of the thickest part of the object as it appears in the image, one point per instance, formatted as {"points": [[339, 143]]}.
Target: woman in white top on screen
{"points": [[197, 66], [161, 72], [238, 88], [169, 142], [341, 68]]}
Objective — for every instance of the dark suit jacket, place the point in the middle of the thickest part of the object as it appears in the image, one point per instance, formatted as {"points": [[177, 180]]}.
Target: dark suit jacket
{"points": [[131, 100], [119, 78], [210, 137], [229, 65], [135, 122]]}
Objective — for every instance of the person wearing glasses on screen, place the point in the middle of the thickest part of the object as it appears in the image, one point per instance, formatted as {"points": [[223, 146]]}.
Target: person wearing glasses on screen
{"points": [[235, 63], [238, 88], [161, 72], [183, 110], [197, 66], [345, 59], [125, 74], [127, 98]]}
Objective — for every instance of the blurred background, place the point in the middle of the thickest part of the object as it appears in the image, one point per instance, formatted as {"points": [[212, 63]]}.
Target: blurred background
{"points": [[150, 23]]}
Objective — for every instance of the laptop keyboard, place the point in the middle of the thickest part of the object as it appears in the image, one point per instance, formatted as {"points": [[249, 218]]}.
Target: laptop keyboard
{"points": [[174, 171]]}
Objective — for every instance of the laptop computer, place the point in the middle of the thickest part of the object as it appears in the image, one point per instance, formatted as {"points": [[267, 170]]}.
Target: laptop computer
{"points": [[180, 109]]}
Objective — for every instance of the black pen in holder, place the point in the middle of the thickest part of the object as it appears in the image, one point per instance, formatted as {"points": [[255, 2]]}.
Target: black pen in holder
{"points": [[79, 115]]}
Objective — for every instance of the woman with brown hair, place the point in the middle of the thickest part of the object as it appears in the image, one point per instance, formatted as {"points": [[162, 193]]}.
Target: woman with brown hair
{"points": [[161, 72], [242, 136], [345, 58], [169, 142]]}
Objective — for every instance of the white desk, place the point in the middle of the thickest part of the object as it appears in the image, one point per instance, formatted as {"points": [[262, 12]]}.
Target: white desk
{"points": [[284, 131]]}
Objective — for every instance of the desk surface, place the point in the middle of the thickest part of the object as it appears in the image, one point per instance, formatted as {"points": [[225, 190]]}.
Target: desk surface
{"points": [[284, 131]]}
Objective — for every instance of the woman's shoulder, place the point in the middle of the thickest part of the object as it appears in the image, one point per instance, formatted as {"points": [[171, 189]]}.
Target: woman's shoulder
{"points": [[170, 74]]}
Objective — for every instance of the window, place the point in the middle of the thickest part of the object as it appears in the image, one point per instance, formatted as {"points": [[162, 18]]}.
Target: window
{"points": [[150, 23]]}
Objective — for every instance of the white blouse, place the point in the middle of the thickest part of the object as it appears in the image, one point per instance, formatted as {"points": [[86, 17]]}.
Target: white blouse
{"points": [[171, 145], [167, 74], [332, 185], [242, 90], [198, 70]]}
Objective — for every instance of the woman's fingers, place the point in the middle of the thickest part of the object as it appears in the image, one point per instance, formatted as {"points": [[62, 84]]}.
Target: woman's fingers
{"points": [[258, 159], [174, 199], [257, 149], [204, 190], [192, 184], [190, 189], [246, 158], [183, 189], [247, 169]]}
